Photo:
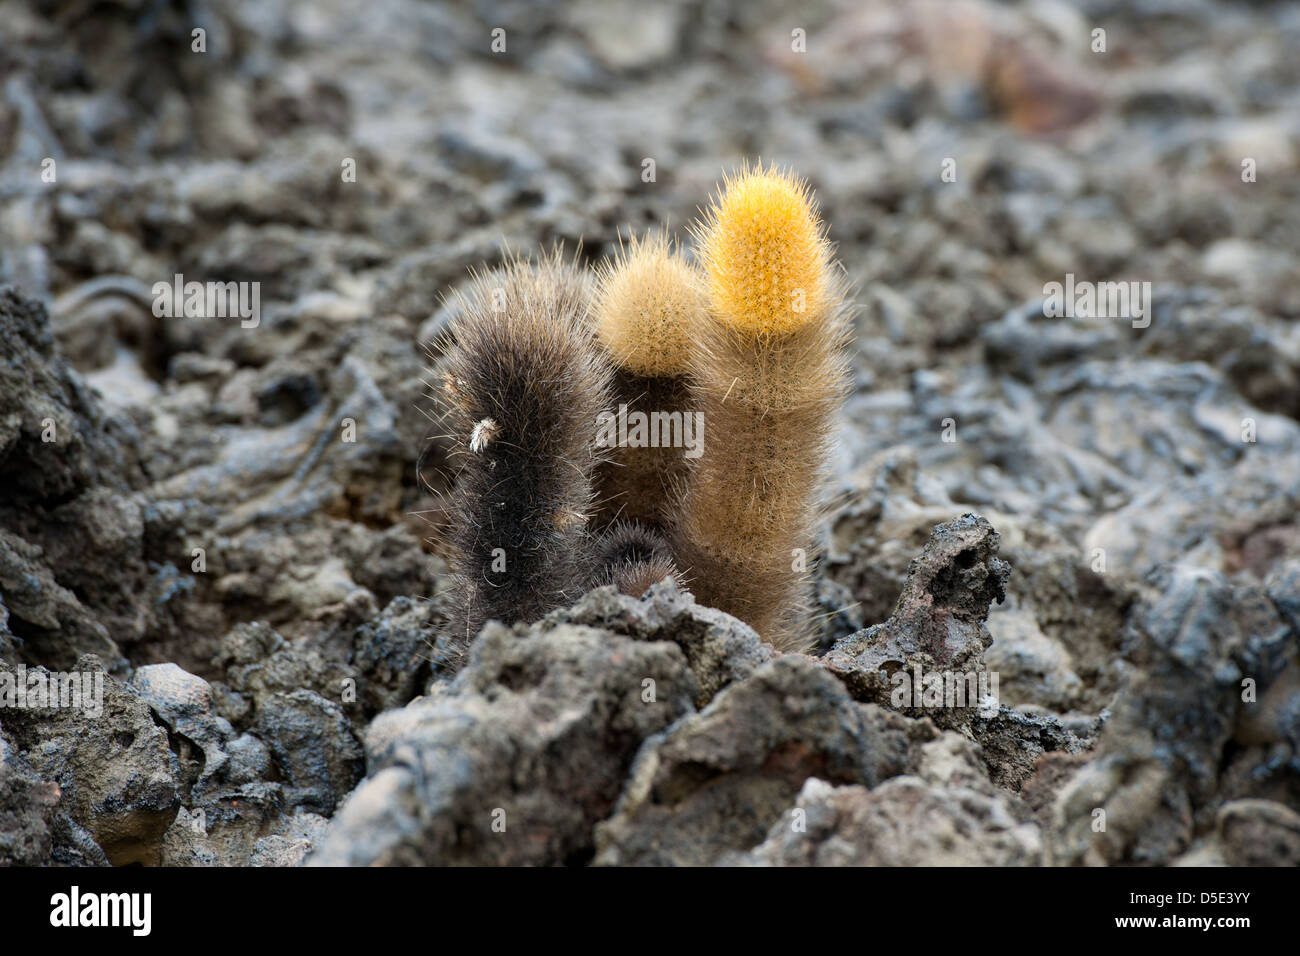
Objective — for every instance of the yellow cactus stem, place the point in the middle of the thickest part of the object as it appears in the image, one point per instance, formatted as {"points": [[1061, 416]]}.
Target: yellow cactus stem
{"points": [[765, 253], [768, 374], [646, 301]]}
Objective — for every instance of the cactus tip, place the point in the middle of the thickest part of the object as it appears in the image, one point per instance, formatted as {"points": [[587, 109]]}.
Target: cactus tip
{"points": [[765, 253]]}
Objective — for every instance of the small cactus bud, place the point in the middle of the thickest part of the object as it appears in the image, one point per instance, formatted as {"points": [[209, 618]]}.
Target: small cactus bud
{"points": [[648, 302], [647, 299], [634, 557]]}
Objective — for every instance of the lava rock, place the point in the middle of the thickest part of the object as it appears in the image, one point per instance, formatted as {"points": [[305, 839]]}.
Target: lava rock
{"points": [[1259, 833], [938, 626], [719, 648], [313, 748], [114, 768], [1156, 772], [715, 782], [516, 760], [902, 822]]}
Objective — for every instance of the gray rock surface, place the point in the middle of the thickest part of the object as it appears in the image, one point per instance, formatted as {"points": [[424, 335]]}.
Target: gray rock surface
{"points": [[107, 763], [253, 509], [937, 628], [903, 822], [717, 781], [517, 759], [1157, 776], [312, 748], [719, 648]]}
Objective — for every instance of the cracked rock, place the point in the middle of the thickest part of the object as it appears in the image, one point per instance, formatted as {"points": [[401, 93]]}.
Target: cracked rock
{"points": [[717, 781], [937, 629], [474, 774]]}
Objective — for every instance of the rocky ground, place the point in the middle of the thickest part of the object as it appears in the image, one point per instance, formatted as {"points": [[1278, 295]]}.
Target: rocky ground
{"points": [[1102, 515]]}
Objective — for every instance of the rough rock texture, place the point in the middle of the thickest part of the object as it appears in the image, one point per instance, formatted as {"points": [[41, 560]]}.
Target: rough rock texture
{"points": [[113, 770], [719, 649], [381, 663], [183, 704], [394, 654], [247, 827], [1013, 740], [34, 828], [67, 469], [937, 627], [716, 781], [1259, 833], [1158, 773], [903, 822], [313, 749], [516, 760], [258, 664]]}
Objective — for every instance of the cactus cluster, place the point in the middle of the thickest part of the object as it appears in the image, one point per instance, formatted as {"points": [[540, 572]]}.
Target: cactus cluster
{"points": [[747, 338]]}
